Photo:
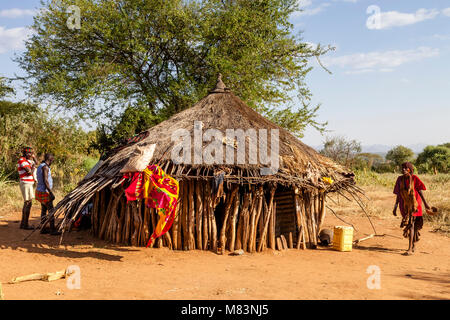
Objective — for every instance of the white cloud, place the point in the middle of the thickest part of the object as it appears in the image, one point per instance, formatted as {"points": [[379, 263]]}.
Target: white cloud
{"points": [[446, 12], [379, 61], [352, 1], [13, 39], [308, 10], [441, 36], [385, 20], [16, 13]]}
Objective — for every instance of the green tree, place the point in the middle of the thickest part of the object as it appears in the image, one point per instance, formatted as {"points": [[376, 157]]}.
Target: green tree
{"points": [[399, 155], [434, 159], [369, 160], [135, 119], [341, 150], [5, 89], [164, 55]]}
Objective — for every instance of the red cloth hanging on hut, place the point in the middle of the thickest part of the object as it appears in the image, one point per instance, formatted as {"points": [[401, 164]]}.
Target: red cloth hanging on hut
{"points": [[159, 191]]}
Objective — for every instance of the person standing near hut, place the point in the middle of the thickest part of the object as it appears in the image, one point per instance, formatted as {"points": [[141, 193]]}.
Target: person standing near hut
{"points": [[408, 189], [44, 192], [26, 167]]}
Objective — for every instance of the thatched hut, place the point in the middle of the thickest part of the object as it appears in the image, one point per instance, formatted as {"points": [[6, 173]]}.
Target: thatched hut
{"points": [[223, 206]]}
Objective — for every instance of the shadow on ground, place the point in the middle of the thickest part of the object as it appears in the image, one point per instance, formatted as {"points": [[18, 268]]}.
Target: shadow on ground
{"points": [[12, 237]]}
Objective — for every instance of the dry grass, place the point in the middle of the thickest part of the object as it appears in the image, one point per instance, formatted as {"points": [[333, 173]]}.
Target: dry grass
{"points": [[378, 188], [11, 197]]}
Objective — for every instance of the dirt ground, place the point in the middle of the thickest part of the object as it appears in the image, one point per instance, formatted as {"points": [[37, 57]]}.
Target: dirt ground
{"points": [[118, 272]]}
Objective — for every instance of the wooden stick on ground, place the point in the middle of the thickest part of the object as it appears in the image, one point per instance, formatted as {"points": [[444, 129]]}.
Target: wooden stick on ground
{"points": [[365, 238], [50, 276]]}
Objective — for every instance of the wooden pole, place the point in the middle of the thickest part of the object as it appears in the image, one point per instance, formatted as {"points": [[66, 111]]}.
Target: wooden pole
{"points": [[257, 215], [153, 218], [246, 220], [205, 216], [284, 242], [240, 229], [299, 213], [271, 234], [175, 227], [228, 204], [291, 241], [322, 210], [191, 215], [252, 218], [105, 219], [314, 226], [168, 239], [307, 218], [180, 218], [265, 228], [212, 220], [279, 244], [146, 222], [268, 213], [126, 227], [184, 216], [233, 222], [199, 213], [136, 223], [94, 213], [299, 238]]}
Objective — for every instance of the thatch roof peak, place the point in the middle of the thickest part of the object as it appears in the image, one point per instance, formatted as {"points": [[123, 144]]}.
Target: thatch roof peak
{"points": [[220, 86]]}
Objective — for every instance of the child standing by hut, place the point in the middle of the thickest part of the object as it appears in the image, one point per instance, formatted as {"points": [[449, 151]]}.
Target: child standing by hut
{"points": [[44, 192], [408, 189]]}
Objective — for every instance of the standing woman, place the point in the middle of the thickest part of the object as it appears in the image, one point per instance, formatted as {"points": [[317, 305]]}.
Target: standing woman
{"points": [[408, 189]]}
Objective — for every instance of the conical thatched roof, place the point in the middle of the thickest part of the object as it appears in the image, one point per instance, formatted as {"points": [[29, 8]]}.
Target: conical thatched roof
{"points": [[221, 109], [299, 165]]}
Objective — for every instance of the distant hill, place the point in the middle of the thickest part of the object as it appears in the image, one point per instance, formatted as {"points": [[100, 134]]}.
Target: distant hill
{"points": [[382, 149]]}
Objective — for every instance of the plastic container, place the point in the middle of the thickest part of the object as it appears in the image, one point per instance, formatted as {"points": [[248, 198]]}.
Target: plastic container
{"points": [[343, 238]]}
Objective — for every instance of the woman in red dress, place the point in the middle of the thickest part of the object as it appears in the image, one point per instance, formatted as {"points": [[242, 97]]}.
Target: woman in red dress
{"points": [[408, 189]]}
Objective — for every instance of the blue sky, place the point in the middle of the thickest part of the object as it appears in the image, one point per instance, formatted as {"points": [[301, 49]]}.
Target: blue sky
{"points": [[390, 81]]}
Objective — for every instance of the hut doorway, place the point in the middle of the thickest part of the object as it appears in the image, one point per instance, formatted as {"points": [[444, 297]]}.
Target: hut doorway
{"points": [[219, 213], [285, 222]]}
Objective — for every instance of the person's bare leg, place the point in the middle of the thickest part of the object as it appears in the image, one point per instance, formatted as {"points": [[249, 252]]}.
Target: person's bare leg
{"points": [[411, 239], [26, 215], [22, 222], [44, 230]]}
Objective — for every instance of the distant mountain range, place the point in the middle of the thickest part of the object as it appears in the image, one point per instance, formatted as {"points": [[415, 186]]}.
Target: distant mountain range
{"points": [[383, 149]]}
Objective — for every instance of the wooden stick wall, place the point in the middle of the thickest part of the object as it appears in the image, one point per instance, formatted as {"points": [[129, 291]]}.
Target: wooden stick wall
{"points": [[248, 222]]}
